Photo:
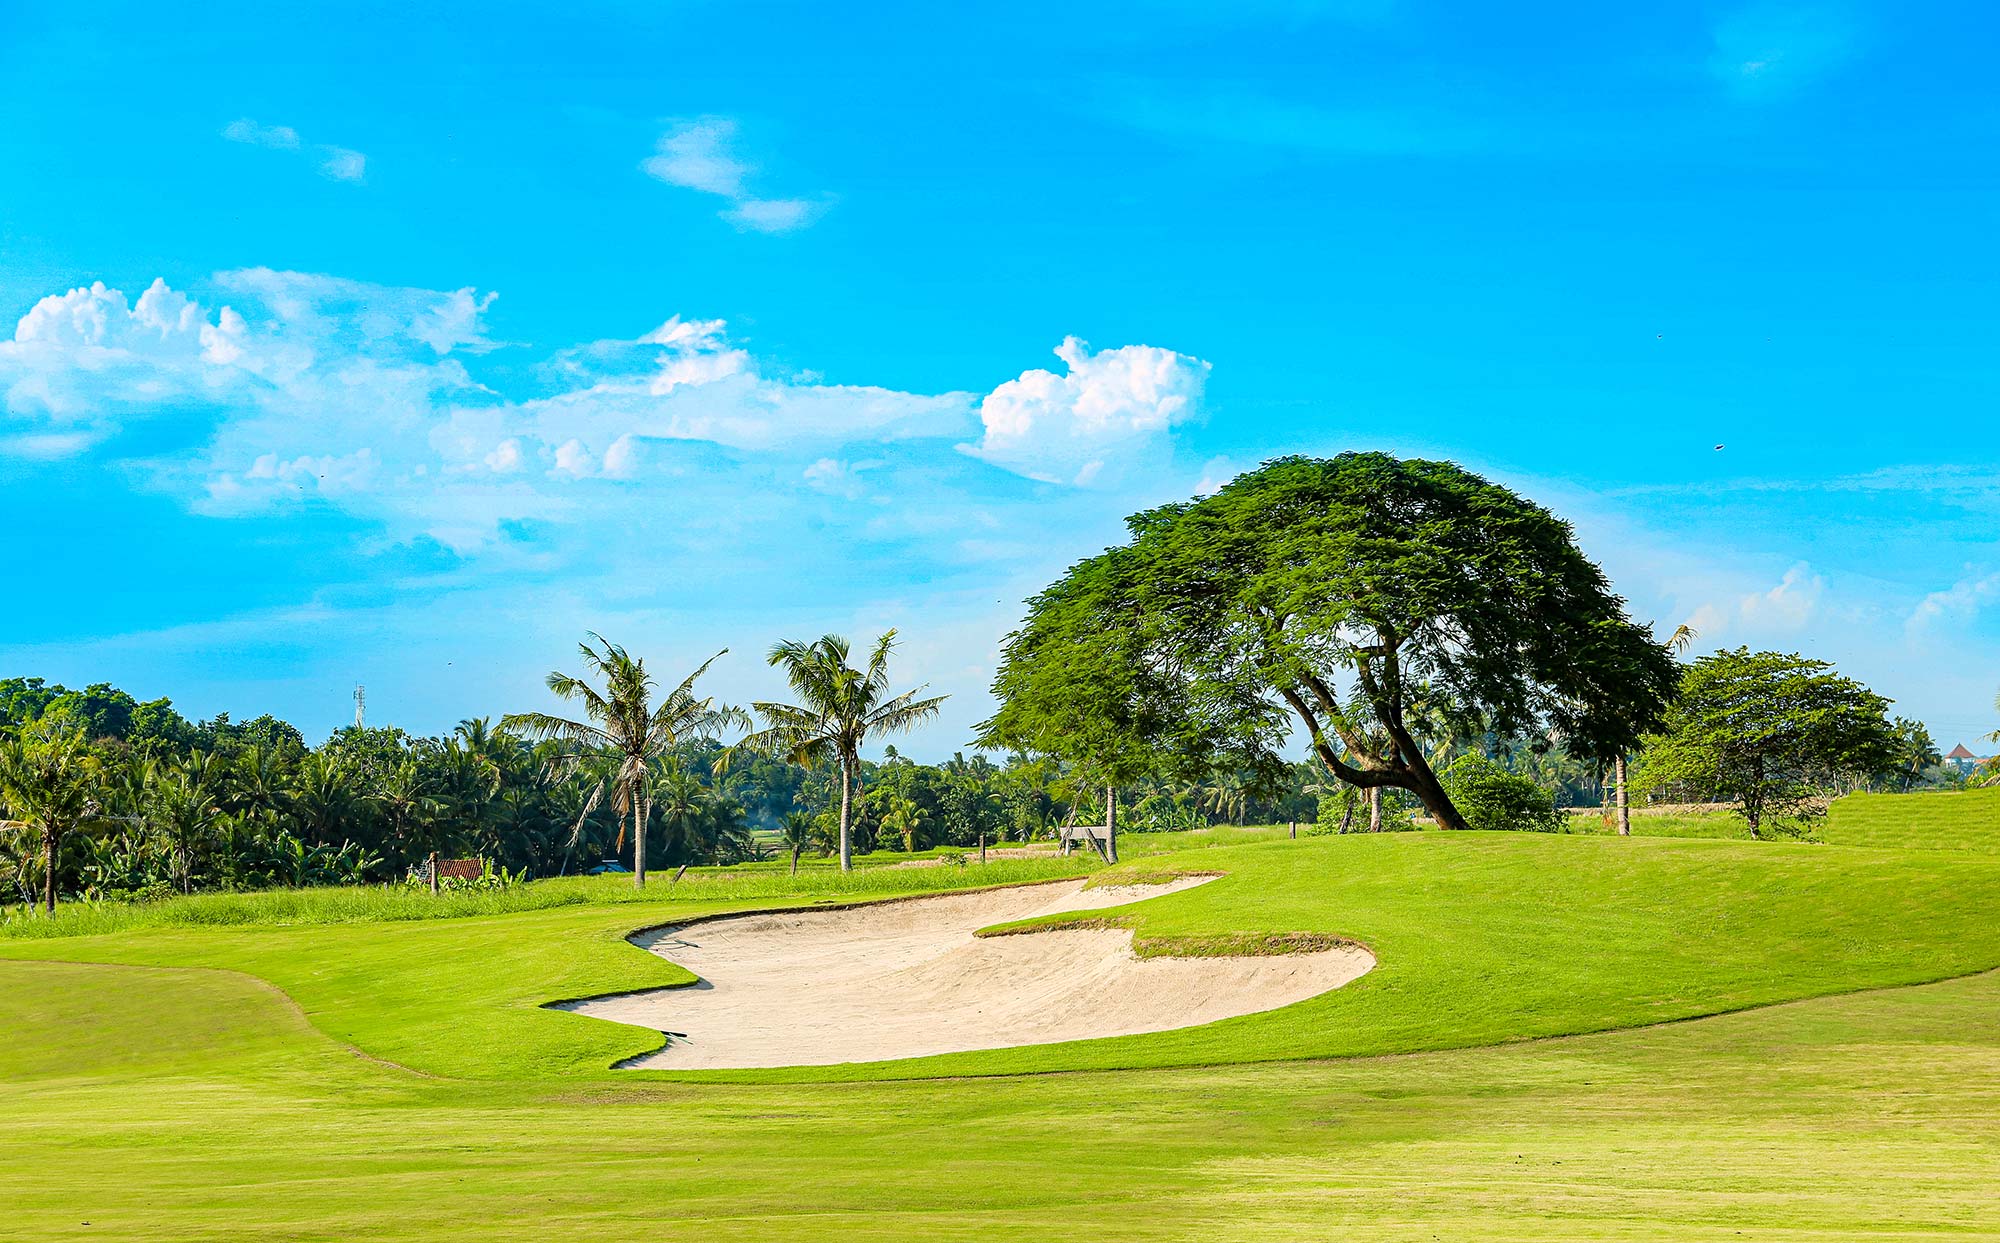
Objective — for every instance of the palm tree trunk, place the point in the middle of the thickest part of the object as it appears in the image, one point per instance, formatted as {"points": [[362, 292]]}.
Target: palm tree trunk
{"points": [[1111, 824], [795, 860], [846, 808], [49, 862], [1624, 798], [638, 843]]}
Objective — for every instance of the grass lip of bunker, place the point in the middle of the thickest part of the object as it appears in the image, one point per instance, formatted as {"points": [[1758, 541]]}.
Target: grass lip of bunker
{"points": [[910, 978]]}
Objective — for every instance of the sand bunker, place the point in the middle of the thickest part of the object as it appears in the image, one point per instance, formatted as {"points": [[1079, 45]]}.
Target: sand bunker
{"points": [[908, 978]]}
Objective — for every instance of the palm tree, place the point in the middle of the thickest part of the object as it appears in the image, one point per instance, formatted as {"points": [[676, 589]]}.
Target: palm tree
{"points": [[622, 724], [47, 775], [184, 807], [839, 708], [795, 830], [904, 816], [683, 803]]}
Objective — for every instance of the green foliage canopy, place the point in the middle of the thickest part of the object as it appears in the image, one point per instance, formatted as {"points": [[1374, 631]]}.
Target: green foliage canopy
{"points": [[1770, 731], [1343, 591]]}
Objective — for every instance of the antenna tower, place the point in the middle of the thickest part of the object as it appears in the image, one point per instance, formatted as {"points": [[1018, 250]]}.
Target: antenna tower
{"points": [[360, 703]]}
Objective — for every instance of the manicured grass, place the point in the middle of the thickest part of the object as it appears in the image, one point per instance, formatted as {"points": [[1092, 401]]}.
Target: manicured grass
{"points": [[1933, 820], [187, 1103], [1481, 938], [705, 887], [1665, 824], [196, 1106]]}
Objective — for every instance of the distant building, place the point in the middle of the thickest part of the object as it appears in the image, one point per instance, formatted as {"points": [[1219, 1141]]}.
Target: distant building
{"points": [[1961, 759]]}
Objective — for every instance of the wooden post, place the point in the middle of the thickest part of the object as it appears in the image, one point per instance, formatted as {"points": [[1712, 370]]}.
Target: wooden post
{"points": [[434, 873], [982, 845]]}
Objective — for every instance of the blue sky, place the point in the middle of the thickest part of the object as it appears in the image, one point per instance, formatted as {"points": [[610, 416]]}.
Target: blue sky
{"points": [[368, 344]]}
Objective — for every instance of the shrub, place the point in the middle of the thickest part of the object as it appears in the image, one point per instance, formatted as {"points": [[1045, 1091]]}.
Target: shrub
{"points": [[1490, 797]]}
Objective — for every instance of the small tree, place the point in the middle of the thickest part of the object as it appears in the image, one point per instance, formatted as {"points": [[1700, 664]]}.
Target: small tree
{"points": [[1769, 732], [1493, 798], [796, 831]]}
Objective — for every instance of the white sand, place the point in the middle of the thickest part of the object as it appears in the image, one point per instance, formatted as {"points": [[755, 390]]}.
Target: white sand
{"points": [[908, 978]]}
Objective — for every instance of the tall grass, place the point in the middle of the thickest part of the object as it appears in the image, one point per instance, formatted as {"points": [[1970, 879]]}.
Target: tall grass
{"points": [[364, 904]]}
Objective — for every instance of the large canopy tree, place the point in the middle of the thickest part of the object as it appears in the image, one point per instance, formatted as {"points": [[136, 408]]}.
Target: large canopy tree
{"points": [[1349, 593], [623, 731], [839, 709], [1770, 731]]}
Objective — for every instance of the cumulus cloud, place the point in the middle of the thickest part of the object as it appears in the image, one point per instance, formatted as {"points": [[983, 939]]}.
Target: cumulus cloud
{"points": [[1112, 408], [335, 163], [700, 155], [271, 389]]}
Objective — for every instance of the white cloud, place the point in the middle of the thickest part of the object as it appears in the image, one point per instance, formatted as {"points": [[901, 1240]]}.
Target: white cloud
{"points": [[336, 163], [1773, 48], [775, 215], [839, 478], [343, 164], [1955, 606], [245, 130], [1783, 610], [1786, 607], [1112, 408], [700, 155], [369, 399]]}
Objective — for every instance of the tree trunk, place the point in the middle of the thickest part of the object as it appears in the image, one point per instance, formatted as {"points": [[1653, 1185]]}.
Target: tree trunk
{"points": [[1346, 813], [795, 860], [1435, 801], [982, 845], [638, 843], [1111, 824], [1623, 796], [49, 862], [1374, 809], [846, 808]]}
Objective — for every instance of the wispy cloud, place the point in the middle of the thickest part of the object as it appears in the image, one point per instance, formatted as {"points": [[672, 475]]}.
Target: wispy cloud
{"points": [[335, 163], [1773, 49], [700, 155]]}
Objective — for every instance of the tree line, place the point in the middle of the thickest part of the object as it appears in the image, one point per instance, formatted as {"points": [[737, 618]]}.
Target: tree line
{"points": [[1438, 643]]}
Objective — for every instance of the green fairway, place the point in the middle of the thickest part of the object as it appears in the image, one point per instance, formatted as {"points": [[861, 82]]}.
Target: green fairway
{"points": [[271, 1099], [1480, 938], [220, 1115]]}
